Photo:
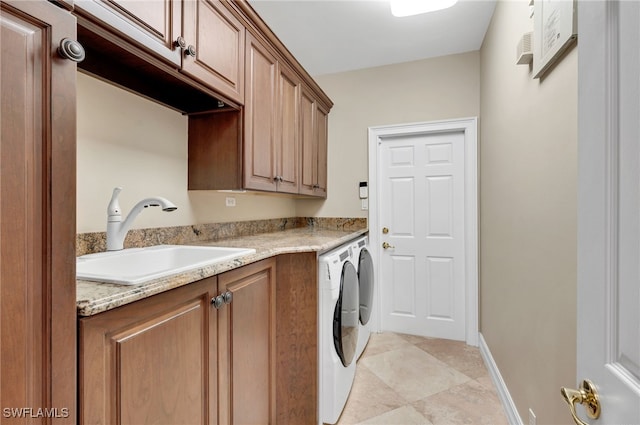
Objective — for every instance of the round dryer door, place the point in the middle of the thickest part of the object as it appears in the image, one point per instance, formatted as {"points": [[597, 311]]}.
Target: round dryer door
{"points": [[365, 278], [345, 316]]}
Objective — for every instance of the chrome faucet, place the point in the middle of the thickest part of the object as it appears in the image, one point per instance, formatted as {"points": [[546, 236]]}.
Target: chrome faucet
{"points": [[117, 229]]}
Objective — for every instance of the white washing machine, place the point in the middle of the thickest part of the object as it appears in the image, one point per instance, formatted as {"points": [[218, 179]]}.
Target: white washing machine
{"points": [[366, 284], [338, 323]]}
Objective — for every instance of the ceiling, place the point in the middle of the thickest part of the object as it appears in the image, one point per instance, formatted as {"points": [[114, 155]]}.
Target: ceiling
{"points": [[329, 36]]}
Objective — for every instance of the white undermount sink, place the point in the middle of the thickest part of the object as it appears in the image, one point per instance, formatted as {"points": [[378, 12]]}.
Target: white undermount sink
{"points": [[138, 265]]}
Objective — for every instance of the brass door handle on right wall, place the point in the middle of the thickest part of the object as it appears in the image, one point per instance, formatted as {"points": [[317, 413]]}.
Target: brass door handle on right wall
{"points": [[585, 395]]}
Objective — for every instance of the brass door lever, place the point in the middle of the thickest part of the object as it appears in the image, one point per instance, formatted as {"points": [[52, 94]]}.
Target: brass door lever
{"points": [[585, 395]]}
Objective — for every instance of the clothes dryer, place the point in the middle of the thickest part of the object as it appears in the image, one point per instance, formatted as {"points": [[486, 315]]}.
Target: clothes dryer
{"points": [[338, 323], [366, 285]]}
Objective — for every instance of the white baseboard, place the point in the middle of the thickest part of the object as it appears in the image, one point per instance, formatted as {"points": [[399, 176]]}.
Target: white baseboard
{"points": [[503, 392]]}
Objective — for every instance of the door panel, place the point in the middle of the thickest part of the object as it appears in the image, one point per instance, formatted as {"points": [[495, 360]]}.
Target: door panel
{"points": [[608, 208], [153, 25], [260, 117], [422, 188], [309, 174], [322, 125], [246, 335], [404, 287], [174, 374], [148, 362], [219, 39], [288, 130], [440, 215]]}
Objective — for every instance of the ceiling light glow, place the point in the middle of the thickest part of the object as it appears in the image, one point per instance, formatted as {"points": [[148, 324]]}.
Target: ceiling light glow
{"points": [[401, 8]]}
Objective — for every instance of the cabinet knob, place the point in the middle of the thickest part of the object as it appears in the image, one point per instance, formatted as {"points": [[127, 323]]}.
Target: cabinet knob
{"points": [[180, 42], [227, 297], [217, 301], [191, 51], [71, 49]]}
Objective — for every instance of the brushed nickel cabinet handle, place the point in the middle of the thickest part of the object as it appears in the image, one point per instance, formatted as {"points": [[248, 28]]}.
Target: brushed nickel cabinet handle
{"points": [[217, 301], [71, 49], [180, 42], [227, 297]]}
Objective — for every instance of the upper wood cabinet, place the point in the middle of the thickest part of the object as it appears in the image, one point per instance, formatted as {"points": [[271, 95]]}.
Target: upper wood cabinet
{"points": [[151, 25], [314, 123], [217, 37], [37, 213], [268, 158], [202, 38], [260, 118], [271, 137], [288, 130], [208, 58]]}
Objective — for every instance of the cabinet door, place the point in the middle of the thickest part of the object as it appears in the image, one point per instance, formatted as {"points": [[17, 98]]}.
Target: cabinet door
{"points": [[313, 130], [260, 117], [322, 121], [154, 25], [148, 362], [37, 212], [288, 130], [218, 39], [309, 175], [246, 344]]}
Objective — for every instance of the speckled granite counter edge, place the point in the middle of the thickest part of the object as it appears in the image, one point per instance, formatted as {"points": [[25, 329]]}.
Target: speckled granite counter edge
{"points": [[93, 298]]}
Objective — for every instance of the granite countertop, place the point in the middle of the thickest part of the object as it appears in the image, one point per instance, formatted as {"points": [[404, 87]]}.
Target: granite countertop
{"points": [[93, 297]]}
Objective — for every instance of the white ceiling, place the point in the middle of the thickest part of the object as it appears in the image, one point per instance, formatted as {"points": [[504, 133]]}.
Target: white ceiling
{"points": [[329, 36]]}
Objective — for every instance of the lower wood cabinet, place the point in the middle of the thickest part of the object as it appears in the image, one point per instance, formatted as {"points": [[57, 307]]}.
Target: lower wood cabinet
{"points": [[177, 357]]}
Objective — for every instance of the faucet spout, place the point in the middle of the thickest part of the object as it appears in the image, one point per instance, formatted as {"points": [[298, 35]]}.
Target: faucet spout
{"points": [[117, 229]]}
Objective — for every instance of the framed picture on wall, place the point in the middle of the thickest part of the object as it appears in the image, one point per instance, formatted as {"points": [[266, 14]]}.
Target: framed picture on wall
{"points": [[554, 30]]}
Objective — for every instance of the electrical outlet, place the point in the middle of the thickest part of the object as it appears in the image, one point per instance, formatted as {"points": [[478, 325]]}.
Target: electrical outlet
{"points": [[532, 417], [230, 201]]}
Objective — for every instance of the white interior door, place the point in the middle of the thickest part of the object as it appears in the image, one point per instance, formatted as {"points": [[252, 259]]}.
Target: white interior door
{"points": [[422, 231], [609, 208]]}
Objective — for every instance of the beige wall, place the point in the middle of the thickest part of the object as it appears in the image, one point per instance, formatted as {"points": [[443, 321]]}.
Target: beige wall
{"points": [[426, 90], [125, 140], [528, 178]]}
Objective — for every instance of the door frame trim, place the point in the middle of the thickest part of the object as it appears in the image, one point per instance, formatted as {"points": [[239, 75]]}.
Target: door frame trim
{"points": [[470, 128]]}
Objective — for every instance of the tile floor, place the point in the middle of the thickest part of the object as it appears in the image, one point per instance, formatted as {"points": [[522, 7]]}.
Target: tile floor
{"points": [[405, 380]]}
